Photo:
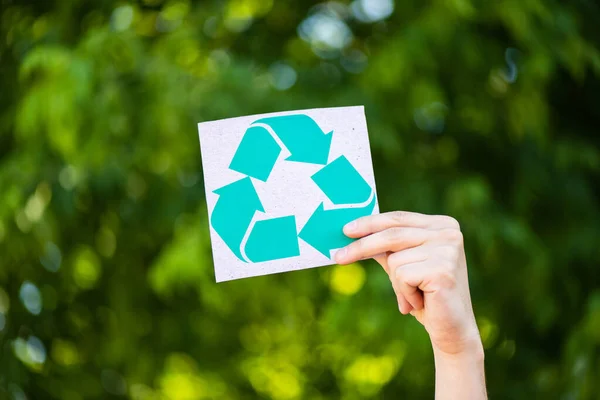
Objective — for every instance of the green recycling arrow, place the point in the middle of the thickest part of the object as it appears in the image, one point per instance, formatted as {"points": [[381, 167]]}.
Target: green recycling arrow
{"points": [[324, 229], [272, 239], [256, 155], [305, 140], [234, 211], [341, 182]]}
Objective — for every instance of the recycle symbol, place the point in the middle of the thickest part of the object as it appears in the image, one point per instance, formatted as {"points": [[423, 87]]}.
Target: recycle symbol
{"points": [[277, 238]]}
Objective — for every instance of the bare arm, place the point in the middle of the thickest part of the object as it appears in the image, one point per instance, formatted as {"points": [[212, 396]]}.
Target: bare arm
{"points": [[425, 260]]}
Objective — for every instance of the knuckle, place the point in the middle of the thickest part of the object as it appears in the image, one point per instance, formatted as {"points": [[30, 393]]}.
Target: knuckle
{"points": [[448, 222], [447, 266], [453, 236], [398, 216], [449, 280], [392, 234], [399, 274], [448, 252], [446, 275], [452, 222]]}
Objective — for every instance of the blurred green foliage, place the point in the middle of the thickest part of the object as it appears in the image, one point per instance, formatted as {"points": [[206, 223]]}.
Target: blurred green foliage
{"points": [[487, 111]]}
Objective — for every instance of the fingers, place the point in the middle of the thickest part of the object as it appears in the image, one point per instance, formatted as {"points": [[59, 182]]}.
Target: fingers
{"points": [[428, 276], [420, 253], [393, 239], [411, 279], [408, 256], [407, 279], [379, 222], [403, 305], [412, 295], [415, 255]]}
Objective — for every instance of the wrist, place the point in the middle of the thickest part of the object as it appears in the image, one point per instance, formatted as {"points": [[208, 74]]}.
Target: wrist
{"points": [[467, 361], [470, 352], [460, 375]]}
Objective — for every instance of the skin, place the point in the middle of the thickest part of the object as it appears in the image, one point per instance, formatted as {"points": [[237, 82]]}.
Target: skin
{"points": [[424, 258]]}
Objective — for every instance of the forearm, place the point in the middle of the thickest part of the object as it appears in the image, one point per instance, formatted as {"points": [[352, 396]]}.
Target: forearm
{"points": [[460, 376]]}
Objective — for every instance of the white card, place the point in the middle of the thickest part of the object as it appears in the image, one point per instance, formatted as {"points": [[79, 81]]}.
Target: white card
{"points": [[280, 187]]}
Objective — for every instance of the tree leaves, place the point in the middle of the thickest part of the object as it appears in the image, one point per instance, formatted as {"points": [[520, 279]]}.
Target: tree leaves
{"points": [[482, 111]]}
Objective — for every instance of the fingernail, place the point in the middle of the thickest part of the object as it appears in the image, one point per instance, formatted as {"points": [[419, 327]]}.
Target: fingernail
{"points": [[340, 254], [350, 226]]}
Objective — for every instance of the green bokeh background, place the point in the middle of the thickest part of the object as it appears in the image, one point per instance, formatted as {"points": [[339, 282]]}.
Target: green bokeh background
{"points": [[487, 111]]}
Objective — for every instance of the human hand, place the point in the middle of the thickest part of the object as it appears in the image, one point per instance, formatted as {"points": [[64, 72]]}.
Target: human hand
{"points": [[425, 260]]}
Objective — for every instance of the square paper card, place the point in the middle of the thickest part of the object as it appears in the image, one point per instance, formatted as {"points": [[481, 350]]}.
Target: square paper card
{"points": [[280, 187]]}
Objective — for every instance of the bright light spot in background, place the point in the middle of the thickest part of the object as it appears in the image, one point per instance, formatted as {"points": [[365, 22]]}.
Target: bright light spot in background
{"points": [[274, 378], [355, 61], [511, 55], [372, 10], [31, 352], [501, 77], [506, 349], [238, 23], [431, 118], [52, 257], [64, 353], [488, 331], [326, 32], [210, 27], [240, 14], [31, 297], [171, 16], [187, 179], [86, 270], [181, 379], [34, 209], [282, 76], [140, 391], [36, 350], [121, 18], [218, 61], [16, 392], [69, 177], [106, 242], [369, 369], [347, 279], [498, 81], [23, 223]]}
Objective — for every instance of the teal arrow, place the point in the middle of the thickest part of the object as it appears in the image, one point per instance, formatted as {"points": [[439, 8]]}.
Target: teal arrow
{"points": [[302, 136], [272, 239], [256, 154], [342, 183], [323, 231], [233, 212]]}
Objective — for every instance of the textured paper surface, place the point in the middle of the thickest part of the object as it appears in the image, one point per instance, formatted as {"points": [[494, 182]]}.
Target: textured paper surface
{"points": [[289, 189]]}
